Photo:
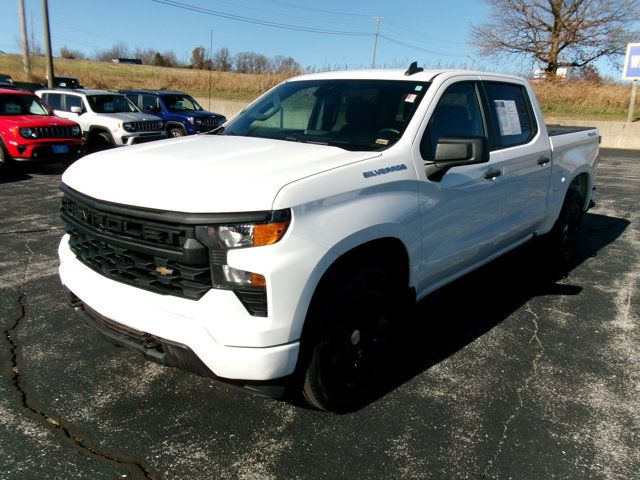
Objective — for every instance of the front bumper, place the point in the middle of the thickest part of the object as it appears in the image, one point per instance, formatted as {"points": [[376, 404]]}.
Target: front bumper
{"points": [[166, 352], [179, 321], [135, 139], [60, 150]]}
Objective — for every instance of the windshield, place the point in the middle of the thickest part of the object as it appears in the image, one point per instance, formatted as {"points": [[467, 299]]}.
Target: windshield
{"points": [[351, 114], [22, 105], [180, 103], [111, 104]]}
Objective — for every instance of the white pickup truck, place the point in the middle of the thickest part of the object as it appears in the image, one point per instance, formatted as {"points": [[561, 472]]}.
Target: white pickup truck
{"points": [[281, 249]]}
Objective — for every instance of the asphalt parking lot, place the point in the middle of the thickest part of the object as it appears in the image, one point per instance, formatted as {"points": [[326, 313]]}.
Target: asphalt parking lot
{"points": [[514, 372]]}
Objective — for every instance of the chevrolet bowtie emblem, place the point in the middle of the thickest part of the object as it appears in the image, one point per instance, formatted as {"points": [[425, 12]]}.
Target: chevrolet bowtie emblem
{"points": [[164, 270]]}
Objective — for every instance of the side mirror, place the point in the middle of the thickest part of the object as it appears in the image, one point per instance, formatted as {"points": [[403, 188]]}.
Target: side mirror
{"points": [[454, 152], [77, 110]]}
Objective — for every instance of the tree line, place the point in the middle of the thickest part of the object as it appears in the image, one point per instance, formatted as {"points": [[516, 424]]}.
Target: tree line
{"points": [[221, 60]]}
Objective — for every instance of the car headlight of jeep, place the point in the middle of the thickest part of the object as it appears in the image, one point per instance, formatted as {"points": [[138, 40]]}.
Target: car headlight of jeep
{"points": [[222, 238], [75, 131], [28, 133], [129, 126]]}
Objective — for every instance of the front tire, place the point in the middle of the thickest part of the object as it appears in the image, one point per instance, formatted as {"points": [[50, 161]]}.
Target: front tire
{"points": [[102, 141], [176, 132], [352, 320]]}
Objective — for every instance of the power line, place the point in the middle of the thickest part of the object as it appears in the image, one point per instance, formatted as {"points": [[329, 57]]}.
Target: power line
{"points": [[413, 33], [431, 52], [256, 21], [332, 12], [282, 14]]}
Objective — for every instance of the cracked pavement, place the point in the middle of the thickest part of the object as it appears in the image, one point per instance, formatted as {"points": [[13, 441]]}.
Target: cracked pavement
{"points": [[513, 372]]}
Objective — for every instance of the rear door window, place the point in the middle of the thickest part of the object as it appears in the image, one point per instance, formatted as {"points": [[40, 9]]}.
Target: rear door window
{"points": [[147, 101], [72, 101], [54, 100], [511, 111]]}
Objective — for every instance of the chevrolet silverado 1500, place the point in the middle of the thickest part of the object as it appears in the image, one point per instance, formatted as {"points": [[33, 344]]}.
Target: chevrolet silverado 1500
{"points": [[284, 244]]}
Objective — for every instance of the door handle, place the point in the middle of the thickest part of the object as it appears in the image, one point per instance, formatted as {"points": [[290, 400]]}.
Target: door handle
{"points": [[492, 174], [543, 160]]}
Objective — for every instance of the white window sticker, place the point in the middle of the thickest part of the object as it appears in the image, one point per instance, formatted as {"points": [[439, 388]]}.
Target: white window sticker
{"points": [[508, 117], [411, 97]]}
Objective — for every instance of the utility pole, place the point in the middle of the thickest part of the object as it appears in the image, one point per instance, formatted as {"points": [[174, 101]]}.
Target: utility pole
{"points": [[47, 43], [26, 62], [375, 44], [210, 65], [632, 103]]}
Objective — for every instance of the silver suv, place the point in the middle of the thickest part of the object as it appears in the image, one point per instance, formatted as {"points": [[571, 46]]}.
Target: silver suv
{"points": [[107, 119]]}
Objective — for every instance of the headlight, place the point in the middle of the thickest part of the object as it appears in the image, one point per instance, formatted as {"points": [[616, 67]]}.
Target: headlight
{"points": [[160, 125], [198, 121], [129, 126], [222, 238], [191, 120], [75, 131], [28, 133], [247, 235]]}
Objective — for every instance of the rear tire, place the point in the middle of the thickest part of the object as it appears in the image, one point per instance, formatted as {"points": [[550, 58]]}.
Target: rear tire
{"points": [[352, 324], [562, 240]]}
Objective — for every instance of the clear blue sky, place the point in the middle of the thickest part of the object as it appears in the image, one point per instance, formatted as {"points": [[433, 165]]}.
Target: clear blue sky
{"points": [[439, 29]]}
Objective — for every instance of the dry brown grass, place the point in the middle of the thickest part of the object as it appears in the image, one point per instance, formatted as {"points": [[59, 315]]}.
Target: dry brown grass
{"points": [[557, 98], [583, 98], [92, 74]]}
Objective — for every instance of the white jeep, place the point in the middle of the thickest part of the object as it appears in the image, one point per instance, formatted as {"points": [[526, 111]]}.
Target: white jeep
{"points": [[107, 119]]}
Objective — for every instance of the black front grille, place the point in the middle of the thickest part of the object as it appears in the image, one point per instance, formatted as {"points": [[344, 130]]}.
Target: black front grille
{"points": [[127, 227], [54, 132], [139, 269], [212, 122], [148, 126], [162, 258]]}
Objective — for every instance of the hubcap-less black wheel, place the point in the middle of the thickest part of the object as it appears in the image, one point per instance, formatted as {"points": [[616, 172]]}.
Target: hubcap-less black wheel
{"points": [[571, 229], [355, 320], [354, 349]]}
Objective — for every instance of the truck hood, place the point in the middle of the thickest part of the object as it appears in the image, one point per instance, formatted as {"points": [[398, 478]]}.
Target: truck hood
{"points": [[203, 174]]}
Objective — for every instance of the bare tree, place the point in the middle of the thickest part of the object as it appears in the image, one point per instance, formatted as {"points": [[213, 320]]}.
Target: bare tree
{"points": [[251, 62], [66, 52], [222, 60], [280, 64], [557, 33], [199, 59], [118, 50]]}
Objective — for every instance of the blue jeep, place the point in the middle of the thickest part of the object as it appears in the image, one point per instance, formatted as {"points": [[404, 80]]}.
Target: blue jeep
{"points": [[182, 114]]}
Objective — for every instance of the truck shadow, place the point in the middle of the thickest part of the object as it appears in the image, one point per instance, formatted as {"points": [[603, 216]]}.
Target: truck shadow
{"points": [[19, 173], [453, 317]]}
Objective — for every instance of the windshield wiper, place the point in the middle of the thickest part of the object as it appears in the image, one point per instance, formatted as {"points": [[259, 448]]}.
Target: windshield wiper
{"points": [[301, 140]]}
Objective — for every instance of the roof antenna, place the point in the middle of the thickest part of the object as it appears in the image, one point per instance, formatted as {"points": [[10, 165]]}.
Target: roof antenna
{"points": [[413, 68]]}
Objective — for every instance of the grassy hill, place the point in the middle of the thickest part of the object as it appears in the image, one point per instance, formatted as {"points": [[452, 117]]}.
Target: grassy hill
{"points": [[580, 99]]}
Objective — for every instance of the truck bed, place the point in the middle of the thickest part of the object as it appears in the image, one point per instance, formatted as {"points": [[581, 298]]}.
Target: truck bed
{"points": [[554, 129]]}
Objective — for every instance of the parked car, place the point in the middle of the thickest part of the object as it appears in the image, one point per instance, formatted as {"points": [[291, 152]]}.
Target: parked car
{"points": [[4, 78], [285, 248], [29, 131], [181, 112], [66, 82], [108, 119]]}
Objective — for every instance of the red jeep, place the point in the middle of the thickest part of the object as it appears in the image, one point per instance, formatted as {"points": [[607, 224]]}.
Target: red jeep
{"points": [[29, 131]]}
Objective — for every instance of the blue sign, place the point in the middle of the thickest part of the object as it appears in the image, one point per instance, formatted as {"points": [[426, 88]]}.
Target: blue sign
{"points": [[631, 69]]}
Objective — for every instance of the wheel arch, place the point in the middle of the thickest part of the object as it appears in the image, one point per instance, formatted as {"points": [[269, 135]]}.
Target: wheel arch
{"points": [[389, 252], [175, 124]]}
